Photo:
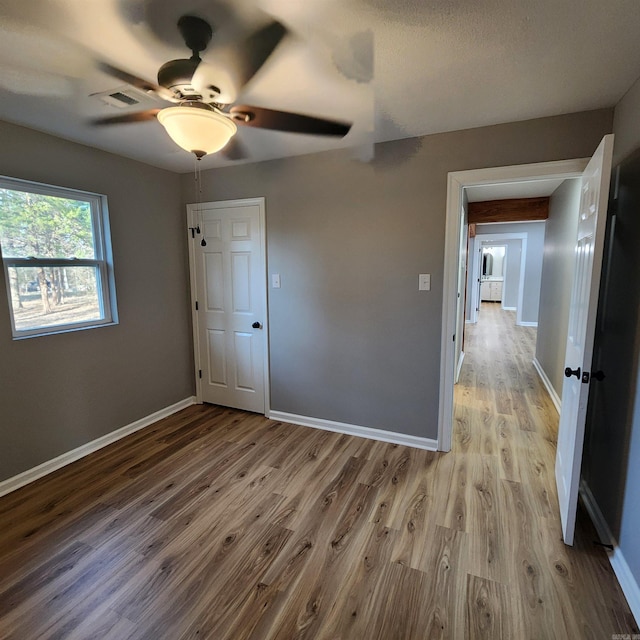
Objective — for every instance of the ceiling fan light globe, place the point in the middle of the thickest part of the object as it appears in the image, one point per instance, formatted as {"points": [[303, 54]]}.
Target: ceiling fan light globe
{"points": [[197, 130]]}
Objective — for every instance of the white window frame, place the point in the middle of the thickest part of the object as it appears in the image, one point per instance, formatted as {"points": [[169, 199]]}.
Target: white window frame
{"points": [[103, 260]]}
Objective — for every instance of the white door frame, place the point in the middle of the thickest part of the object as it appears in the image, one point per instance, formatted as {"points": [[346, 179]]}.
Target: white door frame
{"points": [[496, 239], [456, 183], [194, 220]]}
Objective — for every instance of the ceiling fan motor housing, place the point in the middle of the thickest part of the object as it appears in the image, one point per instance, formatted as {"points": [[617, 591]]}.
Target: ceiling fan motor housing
{"points": [[176, 75], [196, 33]]}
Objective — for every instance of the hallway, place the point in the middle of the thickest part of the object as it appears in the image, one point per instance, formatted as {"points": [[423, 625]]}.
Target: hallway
{"points": [[506, 430]]}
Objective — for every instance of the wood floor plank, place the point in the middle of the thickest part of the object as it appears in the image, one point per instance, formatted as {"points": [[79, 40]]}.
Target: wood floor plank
{"points": [[458, 491], [354, 600], [99, 622], [508, 441], [315, 598], [485, 530], [246, 565], [487, 607], [398, 604], [445, 560], [537, 472], [534, 598]]}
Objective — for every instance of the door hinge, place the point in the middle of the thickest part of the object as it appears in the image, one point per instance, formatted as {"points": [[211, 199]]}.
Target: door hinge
{"points": [[196, 305], [199, 373]]}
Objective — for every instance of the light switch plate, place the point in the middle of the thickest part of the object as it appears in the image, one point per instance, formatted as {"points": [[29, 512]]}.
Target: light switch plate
{"points": [[275, 280], [424, 282]]}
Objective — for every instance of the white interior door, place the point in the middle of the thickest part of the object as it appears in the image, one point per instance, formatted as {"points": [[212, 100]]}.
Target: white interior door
{"points": [[229, 289], [582, 318]]}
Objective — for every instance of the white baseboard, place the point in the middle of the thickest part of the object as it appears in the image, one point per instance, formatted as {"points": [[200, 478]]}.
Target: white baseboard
{"points": [[510, 308], [522, 323], [628, 582], [11, 484], [459, 367], [555, 398], [354, 430]]}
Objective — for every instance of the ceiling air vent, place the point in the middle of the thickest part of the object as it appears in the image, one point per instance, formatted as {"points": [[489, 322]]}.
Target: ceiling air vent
{"points": [[123, 97]]}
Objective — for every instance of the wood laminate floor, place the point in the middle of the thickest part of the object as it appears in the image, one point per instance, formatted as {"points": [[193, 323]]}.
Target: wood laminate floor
{"points": [[220, 524]]}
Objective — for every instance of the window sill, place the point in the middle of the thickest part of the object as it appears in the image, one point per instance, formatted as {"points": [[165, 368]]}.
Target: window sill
{"points": [[67, 329]]}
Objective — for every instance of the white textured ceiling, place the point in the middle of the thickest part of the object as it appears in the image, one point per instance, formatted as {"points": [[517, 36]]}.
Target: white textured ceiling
{"points": [[438, 65]]}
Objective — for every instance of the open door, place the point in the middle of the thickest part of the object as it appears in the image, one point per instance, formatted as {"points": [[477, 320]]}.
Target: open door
{"points": [[582, 320]]}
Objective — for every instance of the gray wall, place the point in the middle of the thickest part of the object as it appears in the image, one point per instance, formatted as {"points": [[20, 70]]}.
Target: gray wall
{"points": [[557, 281], [352, 339], [612, 446], [533, 264], [626, 124], [62, 391]]}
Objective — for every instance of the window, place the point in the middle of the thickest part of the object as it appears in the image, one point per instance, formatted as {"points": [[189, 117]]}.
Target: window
{"points": [[57, 258]]}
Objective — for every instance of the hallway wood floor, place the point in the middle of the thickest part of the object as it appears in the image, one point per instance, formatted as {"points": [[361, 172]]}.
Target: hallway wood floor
{"points": [[219, 524]]}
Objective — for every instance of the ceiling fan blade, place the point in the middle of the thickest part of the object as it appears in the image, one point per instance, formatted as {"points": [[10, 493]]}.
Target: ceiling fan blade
{"points": [[256, 49], [285, 121], [135, 81], [126, 118], [235, 150]]}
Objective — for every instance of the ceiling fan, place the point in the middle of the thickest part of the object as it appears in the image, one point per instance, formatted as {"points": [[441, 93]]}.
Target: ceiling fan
{"points": [[205, 118]]}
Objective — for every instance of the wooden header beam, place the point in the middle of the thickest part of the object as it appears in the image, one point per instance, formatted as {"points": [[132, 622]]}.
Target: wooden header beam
{"points": [[512, 210]]}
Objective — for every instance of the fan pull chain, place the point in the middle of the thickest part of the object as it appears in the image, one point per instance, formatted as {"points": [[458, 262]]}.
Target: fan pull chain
{"points": [[196, 196], [203, 242], [197, 175]]}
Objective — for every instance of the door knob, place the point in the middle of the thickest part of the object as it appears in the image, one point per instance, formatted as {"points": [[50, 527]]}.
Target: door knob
{"points": [[256, 325], [568, 372]]}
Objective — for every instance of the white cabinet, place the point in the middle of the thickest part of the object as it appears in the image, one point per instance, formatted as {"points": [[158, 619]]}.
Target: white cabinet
{"points": [[491, 290]]}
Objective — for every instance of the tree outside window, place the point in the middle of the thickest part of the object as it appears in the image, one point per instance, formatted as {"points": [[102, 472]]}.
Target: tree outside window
{"points": [[54, 252]]}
